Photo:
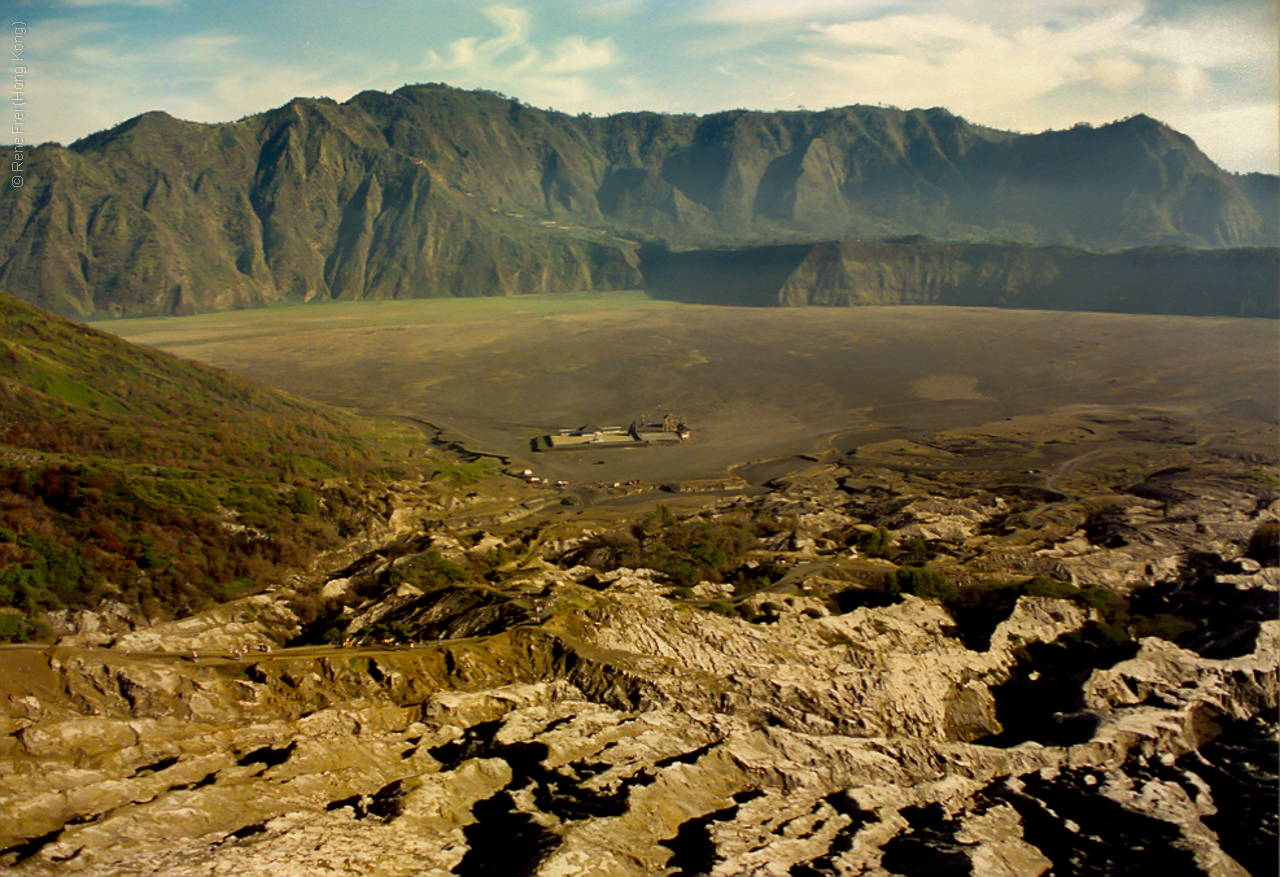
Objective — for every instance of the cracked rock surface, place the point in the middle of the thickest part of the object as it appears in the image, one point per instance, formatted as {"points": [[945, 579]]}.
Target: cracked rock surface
{"points": [[566, 714]]}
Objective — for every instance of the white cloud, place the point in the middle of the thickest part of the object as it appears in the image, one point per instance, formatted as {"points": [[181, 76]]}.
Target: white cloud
{"points": [[577, 54], [938, 60], [758, 12], [472, 54], [907, 32], [1111, 44], [93, 78], [60, 35], [1025, 66], [1116, 72], [1205, 40], [561, 76], [1240, 137], [1026, 75]]}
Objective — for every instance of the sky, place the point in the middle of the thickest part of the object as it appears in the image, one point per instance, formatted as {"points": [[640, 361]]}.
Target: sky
{"points": [[1206, 67]]}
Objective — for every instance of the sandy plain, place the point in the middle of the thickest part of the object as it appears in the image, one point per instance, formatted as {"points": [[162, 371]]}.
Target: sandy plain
{"points": [[764, 390]]}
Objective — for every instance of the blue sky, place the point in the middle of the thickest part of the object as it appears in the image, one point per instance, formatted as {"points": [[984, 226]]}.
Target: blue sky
{"points": [[1208, 67]]}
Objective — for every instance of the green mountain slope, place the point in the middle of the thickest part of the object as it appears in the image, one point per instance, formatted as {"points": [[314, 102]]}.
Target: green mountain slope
{"points": [[132, 475], [435, 191]]}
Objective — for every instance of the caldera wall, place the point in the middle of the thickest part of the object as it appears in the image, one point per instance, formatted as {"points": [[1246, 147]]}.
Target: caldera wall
{"points": [[1238, 282]]}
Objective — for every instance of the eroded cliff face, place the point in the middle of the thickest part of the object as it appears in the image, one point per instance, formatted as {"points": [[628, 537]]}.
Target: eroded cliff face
{"points": [[643, 751], [434, 191], [1152, 280], [912, 271], [627, 760], [562, 713]]}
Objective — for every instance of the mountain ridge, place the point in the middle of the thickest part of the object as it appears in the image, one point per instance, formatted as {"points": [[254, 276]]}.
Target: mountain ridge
{"points": [[431, 190]]}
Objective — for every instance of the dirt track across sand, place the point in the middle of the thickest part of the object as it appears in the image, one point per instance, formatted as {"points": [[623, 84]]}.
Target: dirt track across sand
{"points": [[756, 385]]}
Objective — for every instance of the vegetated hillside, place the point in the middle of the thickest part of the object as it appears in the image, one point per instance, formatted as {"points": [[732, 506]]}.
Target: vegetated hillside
{"points": [[132, 475], [435, 191], [1238, 282]]}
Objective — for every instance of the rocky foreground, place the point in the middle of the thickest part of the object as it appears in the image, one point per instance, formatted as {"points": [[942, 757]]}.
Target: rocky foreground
{"points": [[513, 698]]}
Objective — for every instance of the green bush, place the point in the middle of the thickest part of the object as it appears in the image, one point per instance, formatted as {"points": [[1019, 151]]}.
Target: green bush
{"points": [[1108, 603], [303, 502], [251, 499], [1164, 626], [462, 473], [915, 552], [877, 543], [687, 551], [46, 574], [163, 445], [15, 628], [927, 583], [184, 495], [720, 607], [429, 570], [1039, 586]]}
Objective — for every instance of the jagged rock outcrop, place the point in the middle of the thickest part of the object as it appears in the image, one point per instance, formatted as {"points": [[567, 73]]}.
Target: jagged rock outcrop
{"points": [[512, 698], [435, 191], [695, 745]]}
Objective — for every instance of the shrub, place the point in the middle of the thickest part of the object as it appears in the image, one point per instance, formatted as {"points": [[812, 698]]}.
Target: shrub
{"points": [[15, 628], [720, 607], [1039, 586], [686, 551], [1164, 626], [1108, 603], [876, 543], [309, 607], [427, 571], [1264, 544], [303, 502], [689, 551], [460, 474], [915, 552], [927, 583]]}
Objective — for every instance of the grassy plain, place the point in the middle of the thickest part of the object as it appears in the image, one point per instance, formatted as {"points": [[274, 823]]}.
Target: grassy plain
{"points": [[760, 387]]}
